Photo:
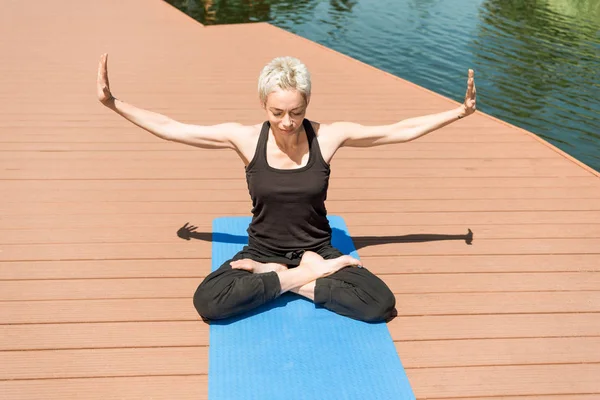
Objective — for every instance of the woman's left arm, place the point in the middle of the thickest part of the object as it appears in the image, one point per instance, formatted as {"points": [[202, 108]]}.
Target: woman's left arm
{"points": [[356, 135]]}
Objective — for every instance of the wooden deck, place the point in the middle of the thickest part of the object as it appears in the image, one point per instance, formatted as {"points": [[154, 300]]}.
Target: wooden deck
{"points": [[96, 287]]}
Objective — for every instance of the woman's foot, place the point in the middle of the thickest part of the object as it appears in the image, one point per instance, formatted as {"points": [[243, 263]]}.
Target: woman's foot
{"points": [[257, 267], [321, 267]]}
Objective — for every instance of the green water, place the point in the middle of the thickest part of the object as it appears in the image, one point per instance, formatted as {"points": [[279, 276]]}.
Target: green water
{"points": [[537, 62]]}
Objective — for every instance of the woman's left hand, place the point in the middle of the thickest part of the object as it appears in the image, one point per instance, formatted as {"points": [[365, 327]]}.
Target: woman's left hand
{"points": [[469, 105]]}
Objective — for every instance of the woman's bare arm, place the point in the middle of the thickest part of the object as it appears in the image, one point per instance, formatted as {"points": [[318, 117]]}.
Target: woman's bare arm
{"points": [[210, 137], [356, 135]]}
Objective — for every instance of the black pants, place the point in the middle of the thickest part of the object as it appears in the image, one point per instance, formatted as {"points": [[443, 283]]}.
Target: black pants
{"points": [[352, 291]]}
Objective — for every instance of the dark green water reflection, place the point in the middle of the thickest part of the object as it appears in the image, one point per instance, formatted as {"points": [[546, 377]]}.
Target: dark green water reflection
{"points": [[537, 62]]}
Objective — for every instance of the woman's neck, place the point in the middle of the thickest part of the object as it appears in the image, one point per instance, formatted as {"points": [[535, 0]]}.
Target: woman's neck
{"points": [[288, 142]]}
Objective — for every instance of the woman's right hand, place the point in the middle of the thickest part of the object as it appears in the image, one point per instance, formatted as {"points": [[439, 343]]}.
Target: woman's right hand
{"points": [[103, 87]]}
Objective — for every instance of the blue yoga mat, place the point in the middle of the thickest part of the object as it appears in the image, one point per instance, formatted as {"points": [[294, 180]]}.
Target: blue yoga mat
{"points": [[289, 349]]}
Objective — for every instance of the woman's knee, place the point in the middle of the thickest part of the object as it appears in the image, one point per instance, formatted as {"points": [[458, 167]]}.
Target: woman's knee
{"points": [[381, 308], [235, 292], [205, 304], [216, 285], [379, 302]]}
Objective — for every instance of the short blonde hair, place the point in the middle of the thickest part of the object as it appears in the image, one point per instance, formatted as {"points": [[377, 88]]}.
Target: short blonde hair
{"points": [[287, 73]]}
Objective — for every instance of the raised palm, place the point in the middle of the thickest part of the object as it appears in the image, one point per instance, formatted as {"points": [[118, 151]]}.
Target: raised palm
{"points": [[103, 87], [471, 96]]}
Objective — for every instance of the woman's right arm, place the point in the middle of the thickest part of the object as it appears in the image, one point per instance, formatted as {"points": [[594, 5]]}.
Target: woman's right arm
{"points": [[208, 137]]}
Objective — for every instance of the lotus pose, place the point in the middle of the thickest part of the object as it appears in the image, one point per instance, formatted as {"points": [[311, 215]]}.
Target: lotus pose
{"points": [[287, 161]]}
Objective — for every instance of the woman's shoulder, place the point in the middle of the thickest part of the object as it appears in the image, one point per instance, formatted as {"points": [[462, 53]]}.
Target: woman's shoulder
{"points": [[328, 137], [328, 130], [245, 141]]}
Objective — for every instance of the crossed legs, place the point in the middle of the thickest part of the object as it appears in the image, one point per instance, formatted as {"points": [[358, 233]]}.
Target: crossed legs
{"points": [[335, 283]]}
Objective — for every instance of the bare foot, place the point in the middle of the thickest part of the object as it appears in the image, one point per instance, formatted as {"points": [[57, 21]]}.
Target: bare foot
{"points": [[321, 267], [257, 267]]}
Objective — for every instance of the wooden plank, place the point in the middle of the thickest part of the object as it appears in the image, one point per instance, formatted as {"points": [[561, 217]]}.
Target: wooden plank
{"points": [[392, 246], [104, 335], [25, 312], [499, 218], [532, 397], [86, 363], [495, 303], [98, 251], [191, 387], [496, 352], [517, 231], [98, 289], [93, 269], [494, 326], [463, 382], [507, 282]]}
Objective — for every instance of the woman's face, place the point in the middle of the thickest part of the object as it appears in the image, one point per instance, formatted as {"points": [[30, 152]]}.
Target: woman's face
{"points": [[286, 110]]}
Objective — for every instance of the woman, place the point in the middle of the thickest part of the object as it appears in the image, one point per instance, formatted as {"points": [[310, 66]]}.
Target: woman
{"points": [[287, 168]]}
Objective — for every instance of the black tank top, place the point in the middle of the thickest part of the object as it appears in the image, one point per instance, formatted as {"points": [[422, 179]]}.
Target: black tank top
{"points": [[288, 205]]}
